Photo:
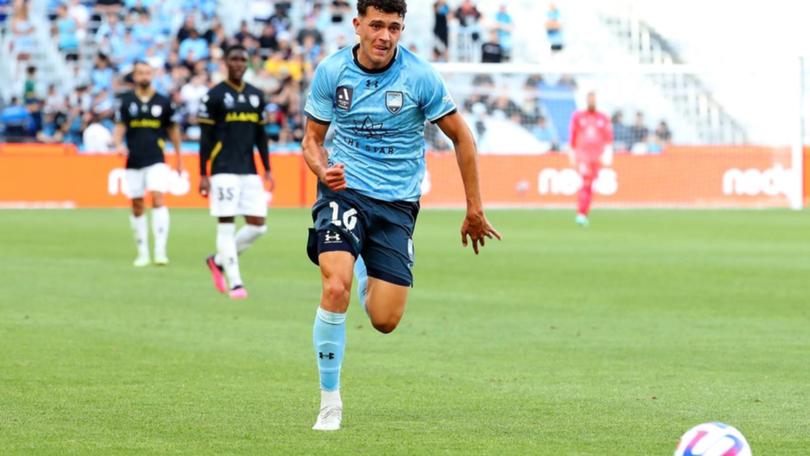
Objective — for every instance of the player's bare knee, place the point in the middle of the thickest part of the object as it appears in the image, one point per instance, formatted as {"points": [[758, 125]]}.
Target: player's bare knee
{"points": [[137, 207], [157, 200], [336, 294], [386, 323], [256, 221]]}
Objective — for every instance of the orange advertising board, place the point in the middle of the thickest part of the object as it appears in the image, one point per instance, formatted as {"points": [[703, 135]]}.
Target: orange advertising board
{"points": [[70, 180], [699, 177]]}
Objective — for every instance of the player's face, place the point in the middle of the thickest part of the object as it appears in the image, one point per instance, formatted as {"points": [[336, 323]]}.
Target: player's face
{"points": [[592, 101], [142, 76], [379, 34], [237, 65]]}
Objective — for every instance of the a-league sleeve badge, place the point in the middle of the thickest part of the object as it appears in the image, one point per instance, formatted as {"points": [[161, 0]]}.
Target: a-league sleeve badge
{"points": [[343, 97]]}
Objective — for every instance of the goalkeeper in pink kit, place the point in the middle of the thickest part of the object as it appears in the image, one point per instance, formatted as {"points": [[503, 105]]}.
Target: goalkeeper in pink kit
{"points": [[591, 147]]}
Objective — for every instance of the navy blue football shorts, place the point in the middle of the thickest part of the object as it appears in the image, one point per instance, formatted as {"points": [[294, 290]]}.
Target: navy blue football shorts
{"points": [[379, 231]]}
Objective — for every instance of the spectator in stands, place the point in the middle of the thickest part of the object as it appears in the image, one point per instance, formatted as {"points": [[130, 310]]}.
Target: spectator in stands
{"points": [[554, 29], [280, 20], [311, 51], [193, 48], [30, 85], [111, 28], [216, 33], [54, 101], [192, 93], [505, 105], [22, 31], [267, 40], [546, 134], [441, 13], [145, 31], [189, 24], [491, 50], [96, 137], [244, 32], [662, 133], [622, 140], [339, 9], [16, 119], [81, 15], [108, 7], [469, 34], [504, 26], [638, 132], [102, 74], [67, 36], [309, 30]]}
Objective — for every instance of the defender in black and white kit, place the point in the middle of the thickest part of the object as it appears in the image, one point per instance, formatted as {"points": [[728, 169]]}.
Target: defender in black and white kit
{"points": [[146, 119], [232, 122]]}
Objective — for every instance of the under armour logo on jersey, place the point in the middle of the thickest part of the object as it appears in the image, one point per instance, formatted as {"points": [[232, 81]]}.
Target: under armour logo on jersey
{"points": [[323, 355], [343, 97], [331, 237], [372, 82]]}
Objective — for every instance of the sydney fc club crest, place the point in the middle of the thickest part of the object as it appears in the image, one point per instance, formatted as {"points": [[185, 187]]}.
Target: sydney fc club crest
{"points": [[393, 101], [157, 110], [254, 100], [343, 97]]}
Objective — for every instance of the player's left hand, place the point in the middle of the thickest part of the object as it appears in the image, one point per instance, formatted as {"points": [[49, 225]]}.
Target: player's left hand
{"points": [[268, 179], [478, 228]]}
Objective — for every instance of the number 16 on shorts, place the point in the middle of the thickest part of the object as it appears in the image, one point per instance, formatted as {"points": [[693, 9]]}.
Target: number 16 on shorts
{"points": [[349, 219]]}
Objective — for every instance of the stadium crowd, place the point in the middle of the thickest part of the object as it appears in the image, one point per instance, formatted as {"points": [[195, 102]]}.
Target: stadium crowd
{"points": [[184, 40]]}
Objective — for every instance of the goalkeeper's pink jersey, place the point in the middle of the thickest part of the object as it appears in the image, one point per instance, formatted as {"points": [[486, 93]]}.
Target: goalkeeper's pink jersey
{"points": [[590, 133]]}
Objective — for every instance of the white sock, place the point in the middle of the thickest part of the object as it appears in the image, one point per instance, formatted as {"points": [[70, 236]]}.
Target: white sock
{"points": [[247, 235], [160, 229], [141, 234], [331, 398], [226, 253]]}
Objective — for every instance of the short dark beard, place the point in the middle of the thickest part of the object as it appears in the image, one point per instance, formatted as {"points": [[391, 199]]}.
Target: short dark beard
{"points": [[144, 86]]}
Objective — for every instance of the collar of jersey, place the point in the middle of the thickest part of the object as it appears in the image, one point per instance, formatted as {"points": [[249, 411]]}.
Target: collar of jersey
{"points": [[372, 70], [150, 94], [234, 86]]}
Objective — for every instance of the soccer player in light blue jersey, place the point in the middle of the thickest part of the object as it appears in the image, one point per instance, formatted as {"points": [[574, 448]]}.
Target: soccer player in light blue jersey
{"points": [[377, 96]]}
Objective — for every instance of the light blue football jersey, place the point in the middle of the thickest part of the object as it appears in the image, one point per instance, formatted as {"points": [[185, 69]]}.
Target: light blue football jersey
{"points": [[379, 119]]}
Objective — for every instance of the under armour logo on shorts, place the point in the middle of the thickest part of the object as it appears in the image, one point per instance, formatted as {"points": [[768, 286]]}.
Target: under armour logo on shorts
{"points": [[331, 237]]}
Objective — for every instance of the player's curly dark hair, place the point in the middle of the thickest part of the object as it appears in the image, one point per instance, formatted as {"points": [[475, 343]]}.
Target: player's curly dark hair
{"points": [[386, 6]]}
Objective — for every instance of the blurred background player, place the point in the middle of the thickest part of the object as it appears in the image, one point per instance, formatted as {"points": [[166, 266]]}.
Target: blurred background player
{"points": [[377, 95], [232, 121], [146, 119], [591, 146]]}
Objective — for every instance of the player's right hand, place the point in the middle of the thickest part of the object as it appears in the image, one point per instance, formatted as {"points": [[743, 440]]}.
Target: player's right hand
{"points": [[335, 177], [205, 186]]}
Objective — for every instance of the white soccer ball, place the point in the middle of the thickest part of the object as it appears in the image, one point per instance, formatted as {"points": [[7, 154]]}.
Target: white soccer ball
{"points": [[713, 439]]}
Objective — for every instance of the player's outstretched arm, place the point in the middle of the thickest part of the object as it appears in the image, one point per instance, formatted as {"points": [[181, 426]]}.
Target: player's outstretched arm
{"points": [[476, 227], [316, 156]]}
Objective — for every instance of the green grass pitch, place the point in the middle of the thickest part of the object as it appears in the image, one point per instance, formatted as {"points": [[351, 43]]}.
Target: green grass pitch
{"points": [[611, 340]]}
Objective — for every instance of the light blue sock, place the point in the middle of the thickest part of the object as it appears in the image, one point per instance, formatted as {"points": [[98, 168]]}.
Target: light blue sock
{"points": [[329, 337], [362, 281]]}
